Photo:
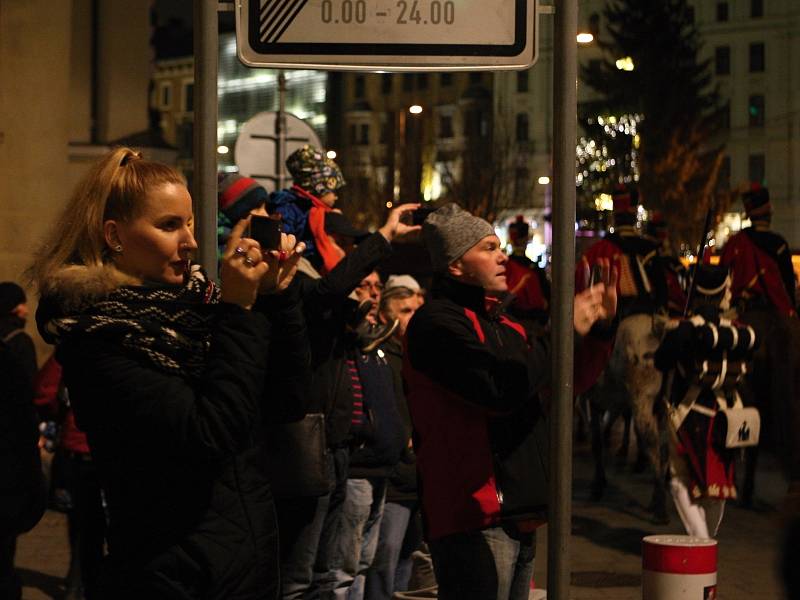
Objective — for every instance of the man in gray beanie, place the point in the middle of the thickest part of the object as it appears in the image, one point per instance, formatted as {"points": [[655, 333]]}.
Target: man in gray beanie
{"points": [[474, 381]]}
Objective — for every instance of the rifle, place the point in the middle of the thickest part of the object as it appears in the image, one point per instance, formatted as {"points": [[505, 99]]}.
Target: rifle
{"points": [[701, 251]]}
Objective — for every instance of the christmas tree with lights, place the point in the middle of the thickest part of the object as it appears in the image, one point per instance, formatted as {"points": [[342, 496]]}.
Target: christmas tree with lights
{"points": [[658, 116]]}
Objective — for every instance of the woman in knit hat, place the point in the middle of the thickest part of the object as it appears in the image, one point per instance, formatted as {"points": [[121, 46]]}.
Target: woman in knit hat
{"points": [[303, 206]]}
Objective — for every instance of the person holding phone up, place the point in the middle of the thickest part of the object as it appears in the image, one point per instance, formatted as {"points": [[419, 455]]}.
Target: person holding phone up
{"points": [[167, 375]]}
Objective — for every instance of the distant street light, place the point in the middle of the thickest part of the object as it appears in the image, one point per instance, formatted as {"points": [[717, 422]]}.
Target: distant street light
{"points": [[331, 154], [625, 64], [544, 180], [415, 109], [222, 149], [585, 38]]}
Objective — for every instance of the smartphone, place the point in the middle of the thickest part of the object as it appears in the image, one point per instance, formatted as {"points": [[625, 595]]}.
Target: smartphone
{"points": [[418, 216], [266, 231]]}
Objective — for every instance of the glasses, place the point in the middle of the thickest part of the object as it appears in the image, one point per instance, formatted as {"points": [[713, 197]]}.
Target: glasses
{"points": [[365, 285]]}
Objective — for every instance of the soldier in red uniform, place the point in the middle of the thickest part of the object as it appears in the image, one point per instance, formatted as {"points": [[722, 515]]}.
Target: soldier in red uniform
{"points": [[641, 286], [527, 281], [673, 270], [763, 291]]}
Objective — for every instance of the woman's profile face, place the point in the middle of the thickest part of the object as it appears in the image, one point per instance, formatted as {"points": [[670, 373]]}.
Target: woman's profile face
{"points": [[157, 244]]}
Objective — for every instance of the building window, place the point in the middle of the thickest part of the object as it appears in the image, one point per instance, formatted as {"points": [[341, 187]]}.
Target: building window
{"points": [[756, 168], [188, 97], [757, 58], [522, 81], [386, 84], [756, 8], [165, 95], [690, 13], [446, 79], [363, 135], [359, 86], [383, 132], [477, 123], [446, 126], [475, 77], [722, 11], [522, 127], [725, 115], [408, 82], [353, 135], [755, 109], [422, 81], [722, 60]]}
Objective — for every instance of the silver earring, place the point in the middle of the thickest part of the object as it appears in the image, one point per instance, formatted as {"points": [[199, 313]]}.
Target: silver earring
{"points": [[118, 248]]}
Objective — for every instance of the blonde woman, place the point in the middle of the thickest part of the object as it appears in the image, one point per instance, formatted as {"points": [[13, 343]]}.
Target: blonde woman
{"points": [[166, 373]]}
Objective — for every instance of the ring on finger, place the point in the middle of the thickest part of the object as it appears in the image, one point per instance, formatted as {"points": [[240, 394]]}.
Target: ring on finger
{"points": [[282, 255], [249, 261], [240, 250]]}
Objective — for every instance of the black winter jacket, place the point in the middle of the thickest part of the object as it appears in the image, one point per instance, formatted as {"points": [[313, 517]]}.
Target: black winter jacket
{"points": [[21, 486], [480, 432], [326, 307], [191, 513]]}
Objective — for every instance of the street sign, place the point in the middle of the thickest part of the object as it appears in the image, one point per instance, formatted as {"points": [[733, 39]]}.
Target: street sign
{"points": [[257, 144], [387, 35]]}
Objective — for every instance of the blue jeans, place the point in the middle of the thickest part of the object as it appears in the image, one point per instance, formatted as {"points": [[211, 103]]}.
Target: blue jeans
{"points": [[301, 524], [491, 564], [356, 542], [386, 576]]}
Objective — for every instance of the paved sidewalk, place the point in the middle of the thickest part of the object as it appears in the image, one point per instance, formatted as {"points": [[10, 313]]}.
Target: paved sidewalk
{"points": [[606, 542]]}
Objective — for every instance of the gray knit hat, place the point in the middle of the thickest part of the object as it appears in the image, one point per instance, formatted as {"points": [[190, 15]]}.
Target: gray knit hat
{"points": [[449, 232]]}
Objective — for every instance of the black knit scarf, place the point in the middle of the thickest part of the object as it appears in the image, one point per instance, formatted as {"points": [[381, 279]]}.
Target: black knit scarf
{"points": [[168, 326]]}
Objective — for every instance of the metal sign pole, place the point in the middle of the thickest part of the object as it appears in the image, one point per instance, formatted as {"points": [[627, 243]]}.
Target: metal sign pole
{"points": [[564, 132], [206, 42], [280, 132]]}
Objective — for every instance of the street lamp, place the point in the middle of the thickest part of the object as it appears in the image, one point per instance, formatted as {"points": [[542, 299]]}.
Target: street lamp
{"points": [[585, 38], [415, 109], [331, 154]]}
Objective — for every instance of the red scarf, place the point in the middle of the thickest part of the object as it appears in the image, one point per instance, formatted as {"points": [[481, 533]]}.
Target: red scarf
{"points": [[330, 252]]}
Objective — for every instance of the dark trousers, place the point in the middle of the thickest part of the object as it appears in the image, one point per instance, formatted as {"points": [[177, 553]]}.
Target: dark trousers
{"points": [[490, 564], [775, 383], [10, 586], [86, 522], [302, 525]]}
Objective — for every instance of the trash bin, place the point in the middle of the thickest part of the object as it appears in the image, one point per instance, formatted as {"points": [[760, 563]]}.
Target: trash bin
{"points": [[679, 567]]}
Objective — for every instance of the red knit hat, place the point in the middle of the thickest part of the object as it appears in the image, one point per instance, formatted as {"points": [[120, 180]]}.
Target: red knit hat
{"points": [[238, 195]]}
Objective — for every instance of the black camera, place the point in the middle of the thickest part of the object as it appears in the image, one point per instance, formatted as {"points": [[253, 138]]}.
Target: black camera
{"points": [[418, 216], [266, 231]]}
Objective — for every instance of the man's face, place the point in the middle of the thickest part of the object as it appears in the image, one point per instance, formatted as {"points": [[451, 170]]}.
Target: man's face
{"points": [[401, 309], [483, 265], [370, 289]]}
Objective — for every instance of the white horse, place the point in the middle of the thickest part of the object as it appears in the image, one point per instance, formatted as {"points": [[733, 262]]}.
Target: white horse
{"points": [[632, 381]]}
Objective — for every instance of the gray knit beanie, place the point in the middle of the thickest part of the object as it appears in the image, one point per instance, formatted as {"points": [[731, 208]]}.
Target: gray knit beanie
{"points": [[449, 232]]}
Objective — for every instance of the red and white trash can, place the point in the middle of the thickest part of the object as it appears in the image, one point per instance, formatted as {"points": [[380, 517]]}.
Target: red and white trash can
{"points": [[679, 567]]}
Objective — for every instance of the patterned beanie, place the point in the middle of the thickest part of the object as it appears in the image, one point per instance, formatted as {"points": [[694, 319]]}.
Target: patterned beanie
{"points": [[449, 232], [314, 172], [238, 195], [11, 296]]}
